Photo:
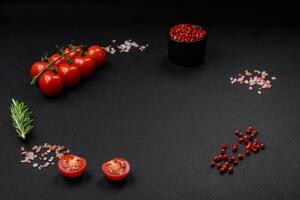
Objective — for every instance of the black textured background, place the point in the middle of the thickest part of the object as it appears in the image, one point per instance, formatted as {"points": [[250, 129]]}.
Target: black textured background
{"points": [[168, 121]]}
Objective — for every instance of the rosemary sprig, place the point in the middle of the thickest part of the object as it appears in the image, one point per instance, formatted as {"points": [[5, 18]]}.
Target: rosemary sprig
{"points": [[21, 118]]}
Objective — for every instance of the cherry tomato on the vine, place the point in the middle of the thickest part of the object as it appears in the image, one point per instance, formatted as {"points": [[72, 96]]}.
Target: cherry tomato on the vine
{"points": [[51, 84], [72, 54], [37, 67], [85, 64], [55, 57], [70, 73], [97, 53], [116, 169], [71, 166]]}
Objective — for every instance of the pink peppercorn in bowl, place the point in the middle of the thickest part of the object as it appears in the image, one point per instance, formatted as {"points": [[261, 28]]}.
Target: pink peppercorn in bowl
{"points": [[186, 44]]}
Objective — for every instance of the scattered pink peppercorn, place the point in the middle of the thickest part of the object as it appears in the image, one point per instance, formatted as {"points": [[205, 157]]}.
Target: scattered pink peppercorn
{"points": [[248, 151], [212, 164], [236, 162], [232, 159], [235, 147], [237, 132], [224, 145], [225, 162], [222, 151], [246, 137], [225, 157], [230, 170], [225, 167], [248, 146], [246, 142], [241, 156], [216, 158], [255, 150], [222, 170]]}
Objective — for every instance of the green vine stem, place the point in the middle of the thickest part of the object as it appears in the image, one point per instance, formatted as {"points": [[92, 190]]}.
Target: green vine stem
{"points": [[49, 66]]}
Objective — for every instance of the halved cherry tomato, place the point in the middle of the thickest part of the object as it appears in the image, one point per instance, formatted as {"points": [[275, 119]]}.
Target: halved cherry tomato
{"points": [[70, 73], [55, 57], [72, 54], [37, 67], [97, 53], [51, 84], [86, 65], [116, 169], [71, 166]]}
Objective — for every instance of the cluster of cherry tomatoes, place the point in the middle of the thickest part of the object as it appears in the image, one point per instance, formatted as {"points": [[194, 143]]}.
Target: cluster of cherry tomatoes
{"points": [[73, 166], [66, 68]]}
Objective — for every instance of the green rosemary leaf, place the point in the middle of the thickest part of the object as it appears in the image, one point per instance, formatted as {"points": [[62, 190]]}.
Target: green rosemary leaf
{"points": [[21, 118]]}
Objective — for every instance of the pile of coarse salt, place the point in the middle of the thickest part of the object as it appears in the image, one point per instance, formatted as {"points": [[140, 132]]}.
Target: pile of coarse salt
{"points": [[256, 78], [43, 156], [124, 47]]}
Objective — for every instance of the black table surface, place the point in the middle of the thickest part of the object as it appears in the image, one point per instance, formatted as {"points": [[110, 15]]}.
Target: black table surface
{"points": [[167, 120]]}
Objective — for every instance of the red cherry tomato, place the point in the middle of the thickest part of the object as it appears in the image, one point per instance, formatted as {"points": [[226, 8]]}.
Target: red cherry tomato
{"points": [[50, 84], [97, 53], [37, 67], [72, 54], [55, 57], [85, 64], [70, 73], [71, 166], [116, 169]]}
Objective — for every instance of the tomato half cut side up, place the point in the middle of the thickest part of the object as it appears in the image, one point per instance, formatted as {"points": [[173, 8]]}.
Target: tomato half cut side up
{"points": [[72, 166], [116, 169]]}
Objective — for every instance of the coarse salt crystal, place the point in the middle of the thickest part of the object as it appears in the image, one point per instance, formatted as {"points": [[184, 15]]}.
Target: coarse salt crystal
{"points": [[257, 78]]}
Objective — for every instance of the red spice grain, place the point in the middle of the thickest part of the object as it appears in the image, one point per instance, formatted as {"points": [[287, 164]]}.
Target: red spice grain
{"points": [[230, 170], [187, 33], [226, 162], [235, 147], [212, 164]]}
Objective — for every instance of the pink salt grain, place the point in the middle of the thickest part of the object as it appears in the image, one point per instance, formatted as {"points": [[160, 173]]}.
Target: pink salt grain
{"points": [[256, 79]]}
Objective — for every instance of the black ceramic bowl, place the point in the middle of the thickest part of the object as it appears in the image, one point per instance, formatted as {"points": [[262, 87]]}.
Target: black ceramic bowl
{"points": [[186, 53]]}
